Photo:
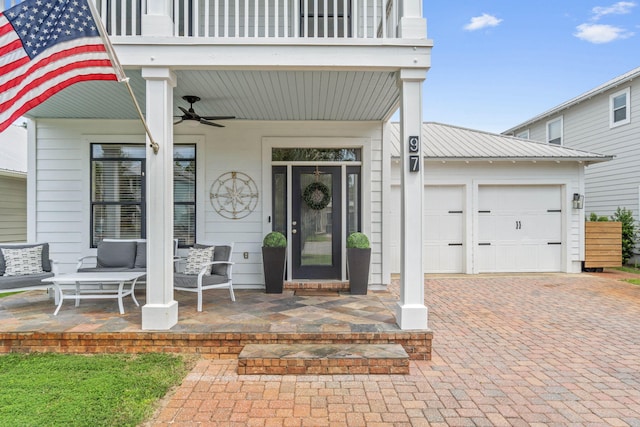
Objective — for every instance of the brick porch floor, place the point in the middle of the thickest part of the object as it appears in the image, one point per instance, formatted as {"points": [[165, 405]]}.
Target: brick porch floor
{"points": [[220, 331]]}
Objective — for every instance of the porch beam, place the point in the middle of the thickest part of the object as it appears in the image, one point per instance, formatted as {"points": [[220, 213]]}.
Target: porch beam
{"points": [[161, 310], [411, 313], [272, 54]]}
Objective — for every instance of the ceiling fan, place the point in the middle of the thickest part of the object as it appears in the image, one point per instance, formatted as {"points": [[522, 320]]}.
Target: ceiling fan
{"points": [[190, 114]]}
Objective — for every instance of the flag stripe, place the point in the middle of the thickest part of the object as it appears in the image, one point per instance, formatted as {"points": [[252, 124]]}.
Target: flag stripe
{"points": [[36, 91], [50, 62], [58, 71], [48, 93]]}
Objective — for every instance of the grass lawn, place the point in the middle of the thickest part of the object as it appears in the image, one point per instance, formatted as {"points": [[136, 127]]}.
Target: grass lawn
{"points": [[47, 389], [629, 269]]}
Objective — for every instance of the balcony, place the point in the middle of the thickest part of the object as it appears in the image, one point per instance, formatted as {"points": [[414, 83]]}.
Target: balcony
{"points": [[256, 19]]}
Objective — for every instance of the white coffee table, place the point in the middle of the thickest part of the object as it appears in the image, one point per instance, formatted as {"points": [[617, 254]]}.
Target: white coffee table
{"points": [[89, 286]]}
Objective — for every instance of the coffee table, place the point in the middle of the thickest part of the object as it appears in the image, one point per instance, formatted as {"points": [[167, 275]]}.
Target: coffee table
{"points": [[89, 285]]}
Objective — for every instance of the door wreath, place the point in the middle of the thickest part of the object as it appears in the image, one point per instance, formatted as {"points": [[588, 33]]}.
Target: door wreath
{"points": [[317, 196]]}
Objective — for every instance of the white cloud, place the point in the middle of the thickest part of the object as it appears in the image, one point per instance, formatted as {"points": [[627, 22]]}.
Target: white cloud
{"points": [[483, 21], [600, 34], [620, 8]]}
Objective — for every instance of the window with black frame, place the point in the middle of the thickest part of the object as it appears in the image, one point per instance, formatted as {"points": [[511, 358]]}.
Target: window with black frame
{"points": [[118, 203]]}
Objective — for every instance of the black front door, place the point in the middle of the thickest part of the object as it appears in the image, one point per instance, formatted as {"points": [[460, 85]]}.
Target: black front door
{"points": [[316, 229]]}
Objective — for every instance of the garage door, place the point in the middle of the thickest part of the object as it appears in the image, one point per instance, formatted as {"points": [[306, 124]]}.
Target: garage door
{"points": [[519, 229], [443, 233]]}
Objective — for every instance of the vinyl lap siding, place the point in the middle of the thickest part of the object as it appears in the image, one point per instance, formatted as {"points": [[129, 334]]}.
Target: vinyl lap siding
{"points": [[13, 209], [63, 183]]}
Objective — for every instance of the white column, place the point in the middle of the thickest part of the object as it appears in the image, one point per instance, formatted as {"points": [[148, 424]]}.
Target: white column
{"points": [[157, 21], [411, 313], [161, 310], [412, 24]]}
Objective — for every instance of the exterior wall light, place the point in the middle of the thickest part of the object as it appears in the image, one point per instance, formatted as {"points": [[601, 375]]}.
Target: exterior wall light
{"points": [[578, 201]]}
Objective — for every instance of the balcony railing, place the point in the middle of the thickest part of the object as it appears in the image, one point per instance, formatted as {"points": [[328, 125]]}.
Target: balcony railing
{"points": [[361, 19]]}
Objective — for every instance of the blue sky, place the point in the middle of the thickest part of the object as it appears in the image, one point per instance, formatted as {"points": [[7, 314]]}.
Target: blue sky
{"points": [[498, 63]]}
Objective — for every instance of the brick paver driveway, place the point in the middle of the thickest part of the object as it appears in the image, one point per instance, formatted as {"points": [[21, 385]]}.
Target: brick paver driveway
{"points": [[508, 350]]}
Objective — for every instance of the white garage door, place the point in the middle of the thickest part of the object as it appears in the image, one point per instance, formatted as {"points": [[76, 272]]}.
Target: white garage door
{"points": [[519, 229], [443, 233]]}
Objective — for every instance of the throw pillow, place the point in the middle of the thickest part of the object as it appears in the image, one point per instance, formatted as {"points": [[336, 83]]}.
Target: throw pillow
{"points": [[46, 263], [20, 262], [197, 258]]}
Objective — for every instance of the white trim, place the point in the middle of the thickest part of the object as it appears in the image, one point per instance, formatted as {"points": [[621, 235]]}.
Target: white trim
{"points": [[549, 123], [88, 139], [32, 178], [364, 144], [627, 94]]}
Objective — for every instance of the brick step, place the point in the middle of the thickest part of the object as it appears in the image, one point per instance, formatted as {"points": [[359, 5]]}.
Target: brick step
{"points": [[322, 359], [325, 285]]}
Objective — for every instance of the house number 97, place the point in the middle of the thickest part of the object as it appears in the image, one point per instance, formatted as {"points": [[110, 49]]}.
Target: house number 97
{"points": [[414, 148]]}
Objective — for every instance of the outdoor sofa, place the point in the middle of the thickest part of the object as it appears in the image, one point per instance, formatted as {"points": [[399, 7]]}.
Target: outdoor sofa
{"points": [[24, 265]]}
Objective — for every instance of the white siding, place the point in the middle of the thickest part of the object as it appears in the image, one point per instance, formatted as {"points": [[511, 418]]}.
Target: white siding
{"points": [[63, 186], [13, 208]]}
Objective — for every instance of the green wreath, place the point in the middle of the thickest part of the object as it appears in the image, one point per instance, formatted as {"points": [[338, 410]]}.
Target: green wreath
{"points": [[317, 196]]}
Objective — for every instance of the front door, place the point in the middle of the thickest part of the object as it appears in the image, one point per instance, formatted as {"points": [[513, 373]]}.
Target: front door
{"points": [[316, 222]]}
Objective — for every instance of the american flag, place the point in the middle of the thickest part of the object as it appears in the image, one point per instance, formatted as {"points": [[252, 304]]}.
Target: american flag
{"points": [[46, 46]]}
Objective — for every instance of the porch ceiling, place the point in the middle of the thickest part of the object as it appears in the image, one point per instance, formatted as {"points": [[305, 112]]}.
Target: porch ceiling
{"points": [[249, 95]]}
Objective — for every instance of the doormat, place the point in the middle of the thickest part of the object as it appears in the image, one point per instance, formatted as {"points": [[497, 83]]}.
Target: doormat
{"points": [[317, 293]]}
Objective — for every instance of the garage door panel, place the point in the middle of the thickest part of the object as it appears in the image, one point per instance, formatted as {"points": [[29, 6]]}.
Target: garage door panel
{"points": [[516, 225], [442, 258], [443, 226]]}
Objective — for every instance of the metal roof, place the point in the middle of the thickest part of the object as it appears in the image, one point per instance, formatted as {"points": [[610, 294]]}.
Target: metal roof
{"points": [[611, 84], [446, 142]]}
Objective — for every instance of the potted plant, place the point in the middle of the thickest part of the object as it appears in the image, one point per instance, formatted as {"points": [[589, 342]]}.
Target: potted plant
{"points": [[274, 251], [358, 259]]}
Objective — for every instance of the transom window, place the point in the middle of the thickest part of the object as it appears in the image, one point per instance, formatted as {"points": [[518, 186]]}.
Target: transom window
{"points": [[554, 131], [619, 108], [118, 202]]}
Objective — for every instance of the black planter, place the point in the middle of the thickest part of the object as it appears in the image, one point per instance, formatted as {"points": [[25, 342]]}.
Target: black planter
{"points": [[358, 268], [273, 262]]}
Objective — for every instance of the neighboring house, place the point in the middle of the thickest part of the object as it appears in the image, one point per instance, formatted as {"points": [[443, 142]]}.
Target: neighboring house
{"points": [[494, 203], [604, 120], [13, 184], [311, 84]]}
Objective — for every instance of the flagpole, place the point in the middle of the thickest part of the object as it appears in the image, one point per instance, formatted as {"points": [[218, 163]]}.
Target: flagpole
{"points": [[120, 72]]}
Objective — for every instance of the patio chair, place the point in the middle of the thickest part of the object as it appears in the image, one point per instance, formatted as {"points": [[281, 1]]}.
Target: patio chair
{"points": [[200, 275]]}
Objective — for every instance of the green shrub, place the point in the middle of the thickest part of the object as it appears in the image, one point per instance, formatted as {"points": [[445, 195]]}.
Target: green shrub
{"points": [[629, 232], [594, 217], [275, 239], [358, 240]]}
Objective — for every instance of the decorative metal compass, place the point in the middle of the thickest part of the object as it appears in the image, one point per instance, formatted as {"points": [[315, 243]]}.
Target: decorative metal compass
{"points": [[234, 195]]}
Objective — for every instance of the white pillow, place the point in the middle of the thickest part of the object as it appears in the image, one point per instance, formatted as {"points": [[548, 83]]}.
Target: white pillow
{"points": [[196, 259], [21, 262]]}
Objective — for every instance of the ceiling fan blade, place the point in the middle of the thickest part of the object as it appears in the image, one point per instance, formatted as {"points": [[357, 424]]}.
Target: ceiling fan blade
{"points": [[204, 122], [217, 117], [187, 112]]}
